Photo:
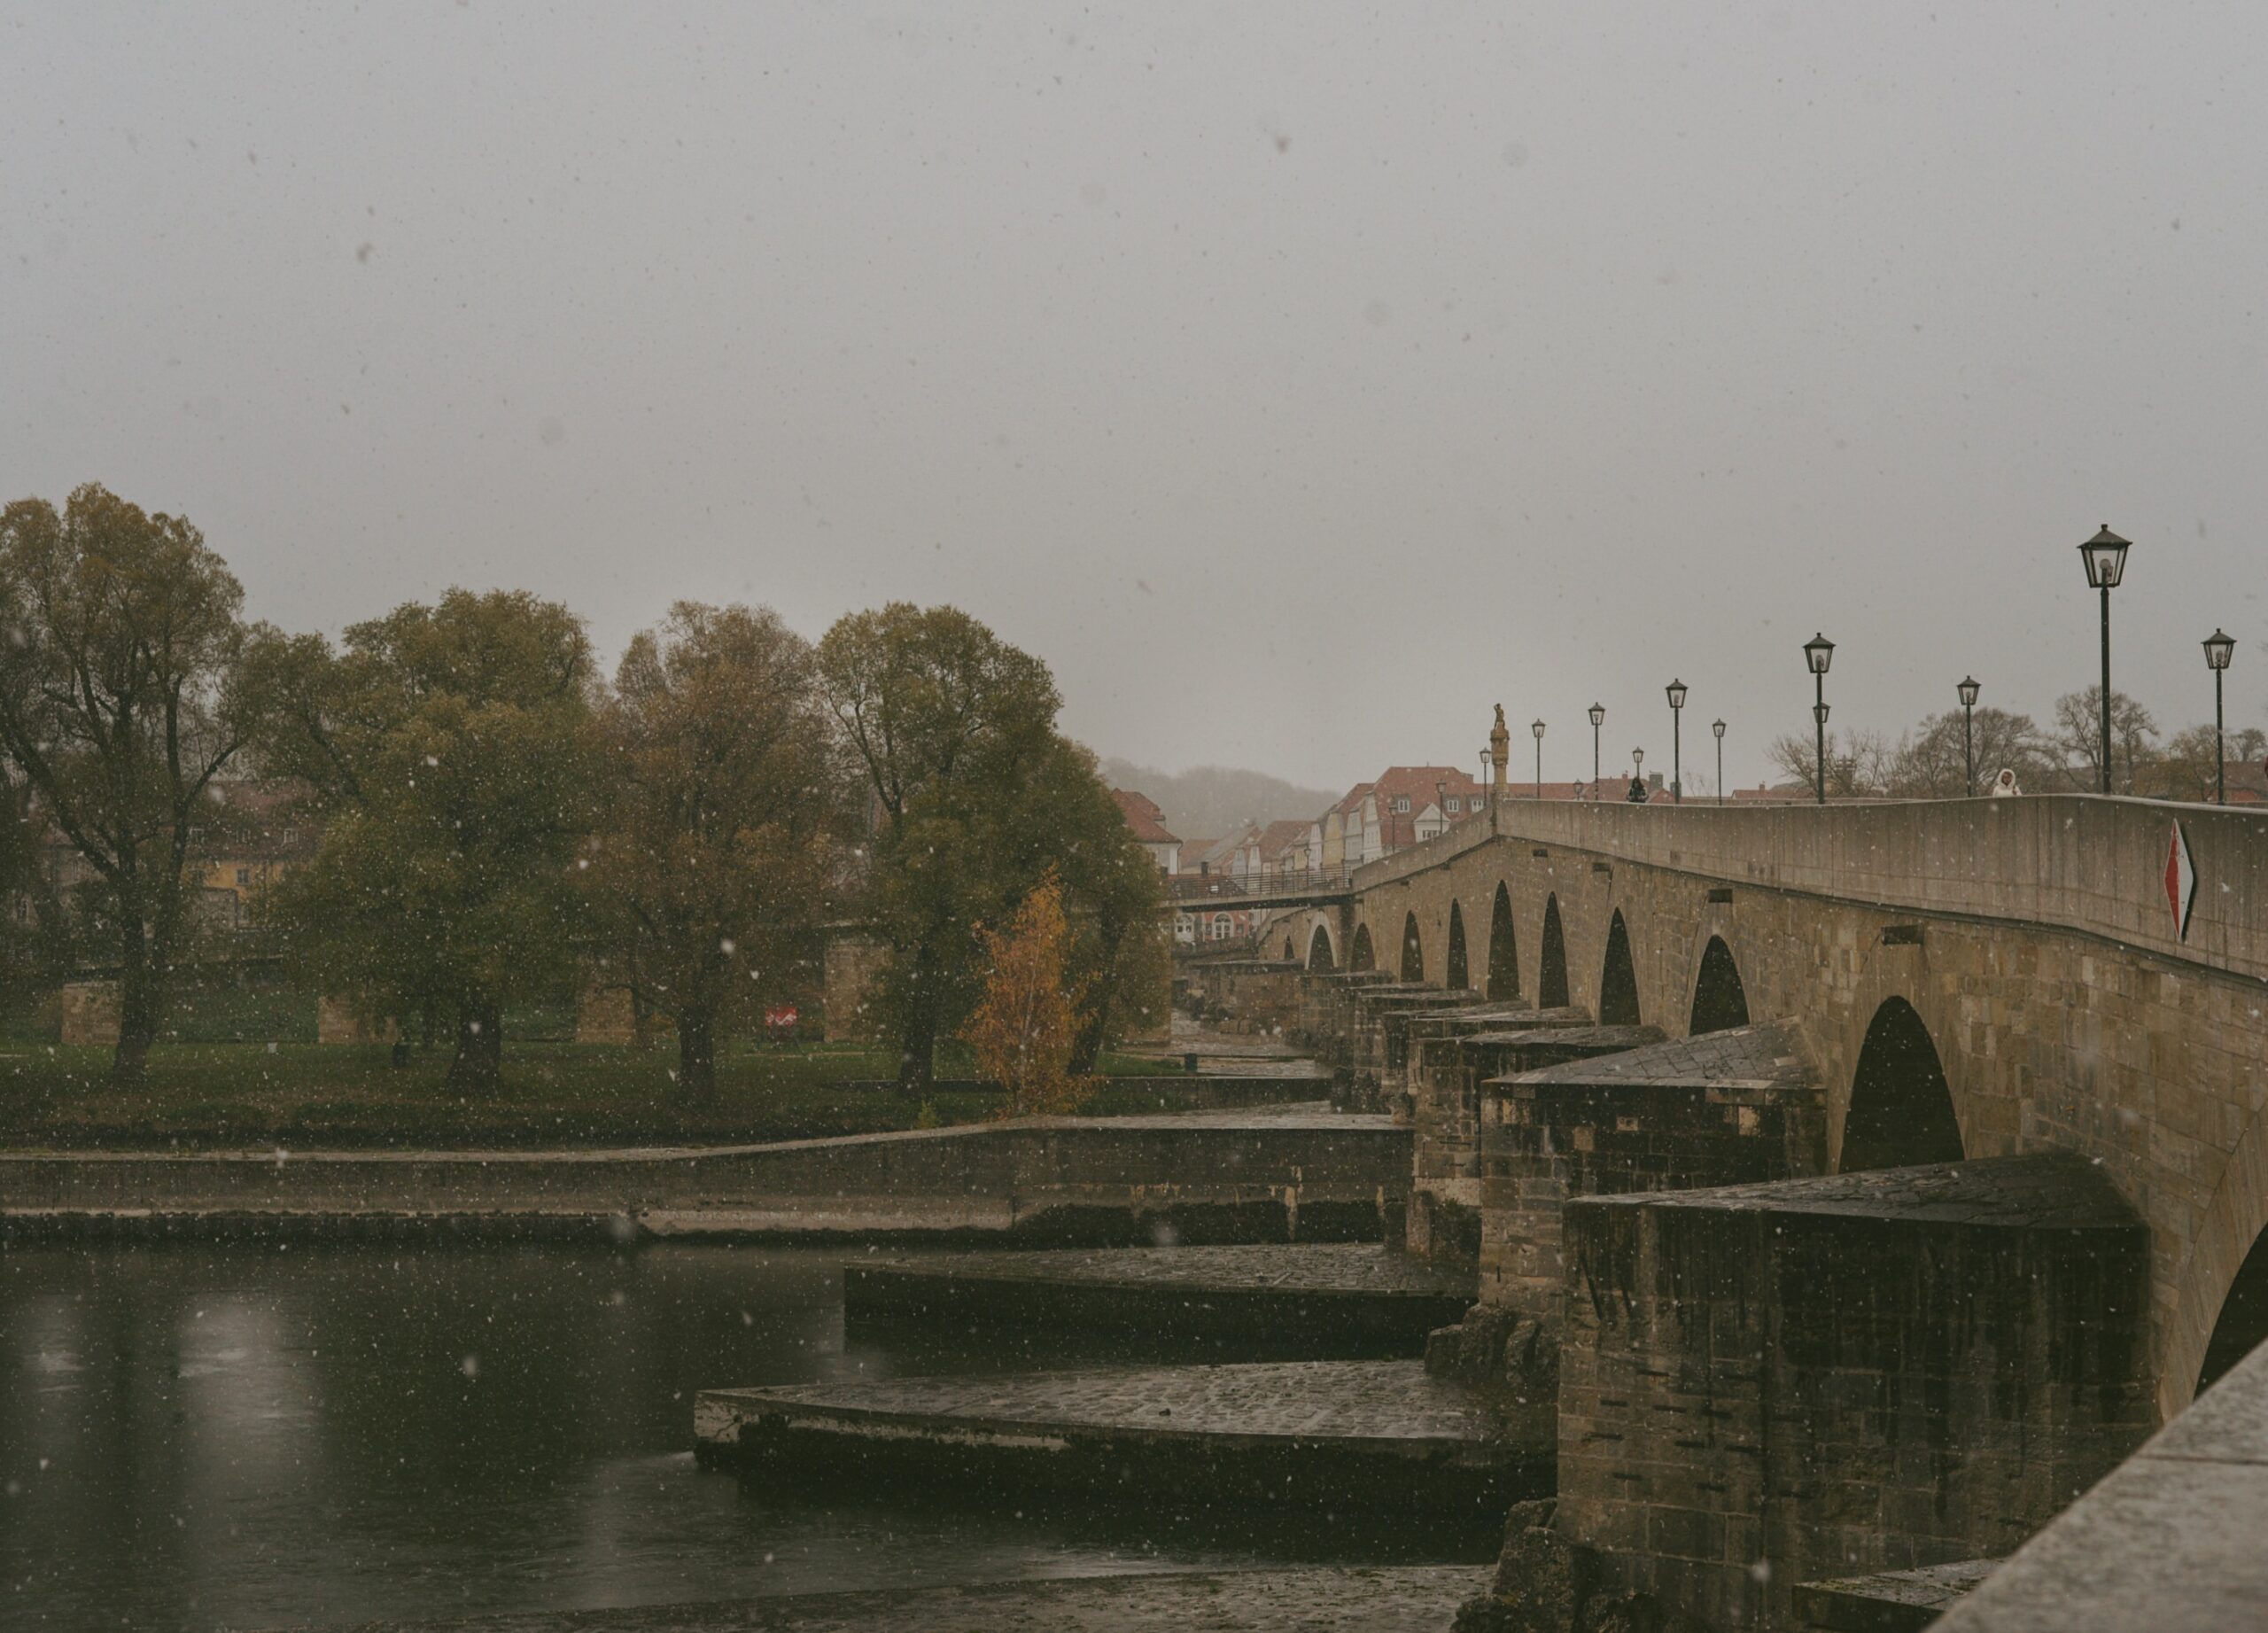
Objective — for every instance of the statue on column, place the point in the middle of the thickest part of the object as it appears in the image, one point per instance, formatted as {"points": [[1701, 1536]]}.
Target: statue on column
{"points": [[1500, 744]]}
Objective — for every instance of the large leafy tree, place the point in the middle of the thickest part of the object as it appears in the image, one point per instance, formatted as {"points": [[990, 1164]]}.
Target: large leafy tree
{"points": [[450, 747], [726, 798], [1120, 956], [974, 798], [947, 725], [123, 694]]}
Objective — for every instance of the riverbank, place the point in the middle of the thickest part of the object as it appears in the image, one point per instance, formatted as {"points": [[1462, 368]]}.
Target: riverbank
{"points": [[1346, 1599], [1277, 1174], [218, 1097]]}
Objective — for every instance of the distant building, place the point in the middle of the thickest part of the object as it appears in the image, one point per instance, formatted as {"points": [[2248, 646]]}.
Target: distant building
{"points": [[1148, 823], [1290, 850], [1406, 804], [1209, 908]]}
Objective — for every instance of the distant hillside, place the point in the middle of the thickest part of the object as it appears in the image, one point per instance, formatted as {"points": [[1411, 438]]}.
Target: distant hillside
{"points": [[1207, 801]]}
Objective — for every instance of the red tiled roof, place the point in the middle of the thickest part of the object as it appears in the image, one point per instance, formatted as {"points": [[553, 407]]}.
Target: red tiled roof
{"points": [[1144, 817], [1416, 784], [1278, 837]]}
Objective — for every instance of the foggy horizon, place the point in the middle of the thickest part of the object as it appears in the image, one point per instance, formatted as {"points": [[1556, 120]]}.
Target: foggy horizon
{"points": [[1297, 383]]}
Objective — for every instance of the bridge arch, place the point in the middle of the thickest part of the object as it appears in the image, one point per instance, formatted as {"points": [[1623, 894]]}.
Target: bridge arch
{"points": [[1458, 977], [2242, 1324], [1551, 979], [1413, 950], [1319, 950], [1289, 955], [1719, 1000], [1360, 957], [1901, 1108], [1618, 978], [1503, 948]]}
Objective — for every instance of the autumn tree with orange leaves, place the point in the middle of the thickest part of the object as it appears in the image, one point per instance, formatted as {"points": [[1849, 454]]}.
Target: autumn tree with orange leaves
{"points": [[1027, 1023]]}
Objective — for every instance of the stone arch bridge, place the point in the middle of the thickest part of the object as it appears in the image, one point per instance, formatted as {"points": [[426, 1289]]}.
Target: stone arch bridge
{"points": [[2081, 974]]}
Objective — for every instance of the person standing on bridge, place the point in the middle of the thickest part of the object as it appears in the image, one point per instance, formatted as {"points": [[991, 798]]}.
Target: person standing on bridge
{"points": [[1638, 794], [2004, 786]]}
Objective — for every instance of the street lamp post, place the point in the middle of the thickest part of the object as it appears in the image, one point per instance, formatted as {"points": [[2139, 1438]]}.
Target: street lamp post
{"points": [[1599, 718], [1638, 765], [1718, 726], [1819, 651], [2218, 650], [2105, 555], [1966, 690], [1676, 690], [1538, 729]]}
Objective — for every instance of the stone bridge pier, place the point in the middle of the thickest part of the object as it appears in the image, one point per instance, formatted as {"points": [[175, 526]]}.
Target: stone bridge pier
{"points": [[1866, 1182]]}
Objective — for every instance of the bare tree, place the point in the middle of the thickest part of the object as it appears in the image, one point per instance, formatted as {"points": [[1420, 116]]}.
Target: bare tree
{"points": [[1930, 762], [1859, 763], [2077, 737]]}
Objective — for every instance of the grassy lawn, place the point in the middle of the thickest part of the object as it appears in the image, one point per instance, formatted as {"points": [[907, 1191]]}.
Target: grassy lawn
{"points": [[303, 1094]]}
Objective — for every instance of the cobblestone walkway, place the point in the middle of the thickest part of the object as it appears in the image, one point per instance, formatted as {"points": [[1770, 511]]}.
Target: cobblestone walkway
{"points": [[1323, 1267], [1407, 1599], [1766, 1053], [1338, 1400]]}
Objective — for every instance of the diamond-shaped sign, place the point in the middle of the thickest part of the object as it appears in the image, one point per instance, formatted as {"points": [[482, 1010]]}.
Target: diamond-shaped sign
{"points": [[2180, 882]]}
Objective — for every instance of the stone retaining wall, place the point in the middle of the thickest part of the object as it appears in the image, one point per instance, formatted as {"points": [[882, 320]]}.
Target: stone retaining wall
{"points": [[1225, 1177]]}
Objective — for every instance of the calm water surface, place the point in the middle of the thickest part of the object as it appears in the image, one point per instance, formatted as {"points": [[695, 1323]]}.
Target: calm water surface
{"points": [[249, 1436]]}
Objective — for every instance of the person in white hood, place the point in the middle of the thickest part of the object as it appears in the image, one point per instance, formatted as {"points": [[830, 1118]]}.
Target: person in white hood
{"points": [[2004, 786]]}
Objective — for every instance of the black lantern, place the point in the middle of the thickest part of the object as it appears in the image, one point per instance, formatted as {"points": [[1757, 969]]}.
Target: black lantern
{"points": [[2219, 649], [1599, 718], [1966, 690], [2105, 558], [2105, 555], [1819, 651], [1676, 690], [1718, 728], [1537, 727]]}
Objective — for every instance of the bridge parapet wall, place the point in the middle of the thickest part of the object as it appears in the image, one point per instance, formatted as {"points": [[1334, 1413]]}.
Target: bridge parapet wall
{"points": [[2080, 862]]}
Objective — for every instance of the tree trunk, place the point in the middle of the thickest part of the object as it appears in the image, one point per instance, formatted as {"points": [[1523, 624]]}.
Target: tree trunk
{"points": [[917, 1049], [137, 1017], [477, 1065], [697, 1054]]}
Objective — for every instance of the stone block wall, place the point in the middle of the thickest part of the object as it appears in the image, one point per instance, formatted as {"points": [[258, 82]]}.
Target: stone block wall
{"points": [[1767, 1384], [609, 1014], [1444, 1110], [91, 1013], [1252, 997], [853, 967], [1545, 1143], [340, 1021]]}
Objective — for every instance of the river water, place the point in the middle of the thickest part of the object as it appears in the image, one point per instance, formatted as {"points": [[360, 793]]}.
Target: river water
{"points": [[250, 1436]]}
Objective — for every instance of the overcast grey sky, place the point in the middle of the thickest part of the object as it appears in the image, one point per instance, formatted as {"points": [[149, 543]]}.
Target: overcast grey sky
{"points": [[1298, 380]]}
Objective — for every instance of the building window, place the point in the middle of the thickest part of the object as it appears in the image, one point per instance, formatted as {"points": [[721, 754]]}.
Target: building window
{"points": [[1402, 805], [1220, 927], [1456, 805]]}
